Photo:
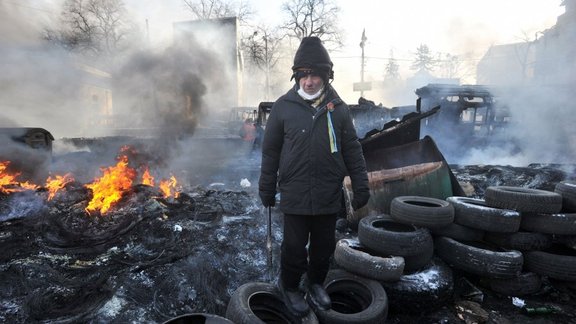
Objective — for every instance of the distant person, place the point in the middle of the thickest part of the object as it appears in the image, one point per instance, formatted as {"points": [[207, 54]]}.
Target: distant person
{"points": [[248, 130], [309, 146], [258, 139], [248, 135]]}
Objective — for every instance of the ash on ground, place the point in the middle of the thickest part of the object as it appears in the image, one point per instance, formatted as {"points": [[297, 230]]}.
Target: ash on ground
{"points": [[153, 259]]}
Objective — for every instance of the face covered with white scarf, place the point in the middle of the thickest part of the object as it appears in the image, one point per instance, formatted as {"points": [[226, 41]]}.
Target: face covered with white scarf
{"points": [[312, 68], [311, 84]]}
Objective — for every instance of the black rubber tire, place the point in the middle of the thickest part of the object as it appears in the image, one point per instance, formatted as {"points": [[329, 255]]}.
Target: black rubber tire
{"points": [[567, 189], [421, 211], [261, 302], [560, 224], [355, 299], [474, 213], [566, 240], [523, 199], [521, 241], [459, 232], [422, 291], [526, 283], [358, 259], [557, 262], [479, 258], [198, 318], [387, 237], [417, 262]]}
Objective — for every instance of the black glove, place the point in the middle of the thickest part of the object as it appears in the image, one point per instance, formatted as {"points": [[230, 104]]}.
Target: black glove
{"points": [[268, 200], [360, 200]]}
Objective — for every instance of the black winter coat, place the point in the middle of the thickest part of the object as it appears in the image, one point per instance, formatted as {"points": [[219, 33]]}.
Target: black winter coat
{"points": [[296, 155]]}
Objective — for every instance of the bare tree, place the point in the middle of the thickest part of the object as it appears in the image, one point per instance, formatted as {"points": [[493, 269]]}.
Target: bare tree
{"points": [[97, 28], [313, 18], [211, 9], [424, 61], [450, 65], [263, 50]]}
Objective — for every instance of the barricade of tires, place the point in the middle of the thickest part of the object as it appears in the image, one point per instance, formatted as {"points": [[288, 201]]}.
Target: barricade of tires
{"points": [[397, 250], [405, 262], [509, 240], [526, 232]]}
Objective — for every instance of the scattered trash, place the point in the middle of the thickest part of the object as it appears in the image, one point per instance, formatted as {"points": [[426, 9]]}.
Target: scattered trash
{"points": [[177, 228], [471, 312], [245, 183], [518, 302]]}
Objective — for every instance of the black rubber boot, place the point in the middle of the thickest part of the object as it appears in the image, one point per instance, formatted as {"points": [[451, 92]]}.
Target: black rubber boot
{"points": [[294, 300], [318, 297]]}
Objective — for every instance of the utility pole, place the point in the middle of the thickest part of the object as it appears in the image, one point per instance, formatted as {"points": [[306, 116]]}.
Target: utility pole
{"points": [[362, 43], [267, 66]]}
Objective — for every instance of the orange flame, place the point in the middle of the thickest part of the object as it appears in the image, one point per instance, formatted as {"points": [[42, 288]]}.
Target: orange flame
{"points": [[147, 178], [57, 183], [8, 181], [110, 188], [168, 187]]}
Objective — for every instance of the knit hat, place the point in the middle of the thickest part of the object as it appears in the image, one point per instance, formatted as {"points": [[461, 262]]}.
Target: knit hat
{"points": [[311, 54]]}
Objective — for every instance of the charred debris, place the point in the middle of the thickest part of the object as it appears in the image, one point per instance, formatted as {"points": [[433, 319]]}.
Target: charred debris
{"points": [[158, 252]]}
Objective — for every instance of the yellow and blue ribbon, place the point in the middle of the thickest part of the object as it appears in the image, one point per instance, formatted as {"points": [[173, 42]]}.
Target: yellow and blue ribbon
{"points": [[331, 133]]}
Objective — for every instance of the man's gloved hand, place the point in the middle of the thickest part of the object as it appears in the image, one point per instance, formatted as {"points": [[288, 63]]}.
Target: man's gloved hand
{"points": [[360, 200], [268, 200]]}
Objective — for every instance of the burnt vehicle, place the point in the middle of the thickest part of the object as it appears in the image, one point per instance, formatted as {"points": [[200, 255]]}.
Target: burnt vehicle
{"points": [[469, 116], [368, 116], [33, 137], [27, 149]]}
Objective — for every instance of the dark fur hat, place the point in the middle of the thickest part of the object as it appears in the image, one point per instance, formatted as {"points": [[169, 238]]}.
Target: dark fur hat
{"points": [[311, 54]]}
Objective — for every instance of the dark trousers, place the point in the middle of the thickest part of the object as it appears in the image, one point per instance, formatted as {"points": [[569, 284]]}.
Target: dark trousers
{"points": [[318, 232]]}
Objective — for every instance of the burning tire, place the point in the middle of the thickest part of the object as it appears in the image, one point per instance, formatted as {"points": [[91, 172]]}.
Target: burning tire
{"points": [[459, 232], [198, 318], [523, 199], [387, 237], [355, 299], [567, 189], [421, 291], [526, 283], [260, 302], [560, 224], [355, 258], [475, 213], [522, 241], [479, 258], [557, 262], [421, 211]]}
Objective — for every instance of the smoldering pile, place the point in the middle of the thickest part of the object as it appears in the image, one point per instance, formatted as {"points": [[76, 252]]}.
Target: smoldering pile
{"points": [[147, 260]]}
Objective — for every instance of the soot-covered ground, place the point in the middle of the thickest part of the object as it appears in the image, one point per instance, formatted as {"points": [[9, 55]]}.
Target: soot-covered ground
{"points": [[152, 259]]}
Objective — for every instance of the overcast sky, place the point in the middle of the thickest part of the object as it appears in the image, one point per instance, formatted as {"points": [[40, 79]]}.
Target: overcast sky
{"points": [[459, 27], [464, 28], [448, 25]]}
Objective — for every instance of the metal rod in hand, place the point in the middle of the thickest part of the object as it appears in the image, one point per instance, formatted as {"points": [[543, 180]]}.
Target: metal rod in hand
{"points": [[269, 243]]}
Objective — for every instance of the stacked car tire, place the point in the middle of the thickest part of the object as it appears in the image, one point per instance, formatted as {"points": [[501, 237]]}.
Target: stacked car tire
{"points": [[397, 250], [525, 235], [404, 262]]}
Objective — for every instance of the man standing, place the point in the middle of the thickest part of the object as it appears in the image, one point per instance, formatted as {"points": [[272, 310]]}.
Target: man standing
{"points": [[309, 146]]}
